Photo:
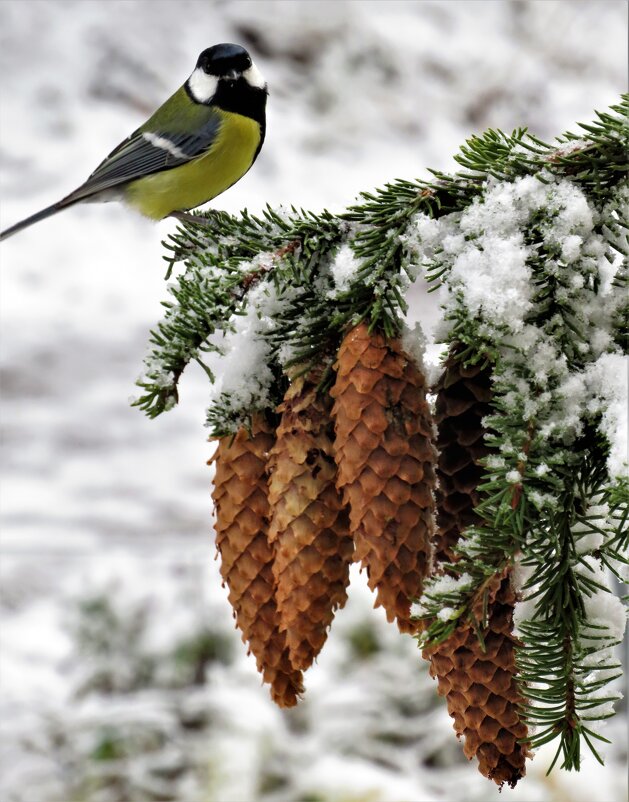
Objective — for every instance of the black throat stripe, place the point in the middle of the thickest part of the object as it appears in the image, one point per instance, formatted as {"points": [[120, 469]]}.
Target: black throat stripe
{"points": [[240, 97]]}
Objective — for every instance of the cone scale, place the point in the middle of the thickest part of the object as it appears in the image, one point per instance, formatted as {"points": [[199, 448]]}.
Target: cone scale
{"points": [[309, 523], [246, 555], [385, 464]]}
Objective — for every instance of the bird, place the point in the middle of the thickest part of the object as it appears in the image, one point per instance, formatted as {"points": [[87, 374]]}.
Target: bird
{"points": [[199, 143]]}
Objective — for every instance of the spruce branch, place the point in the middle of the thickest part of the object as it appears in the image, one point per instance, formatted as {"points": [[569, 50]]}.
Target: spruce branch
{"points": [[223, 260], [377, 230], [526, 249]]}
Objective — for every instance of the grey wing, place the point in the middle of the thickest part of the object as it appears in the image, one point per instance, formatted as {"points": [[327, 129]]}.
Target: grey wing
{"points": [[144, 153]]}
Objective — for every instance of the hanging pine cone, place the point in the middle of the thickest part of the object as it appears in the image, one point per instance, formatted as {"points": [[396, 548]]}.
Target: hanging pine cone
{"points": [[385, 464], [480, 686], [463, 395], [242, 515], [309, 524]]}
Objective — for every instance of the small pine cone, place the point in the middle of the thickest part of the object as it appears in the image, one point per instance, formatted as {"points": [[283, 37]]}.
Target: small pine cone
{"points": [[309, 523], [242, 515], [385, 461], [480, 687], [463, 395]]}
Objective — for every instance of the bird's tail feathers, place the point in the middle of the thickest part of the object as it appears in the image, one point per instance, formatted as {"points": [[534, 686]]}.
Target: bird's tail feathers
{"points": [[41, 215]]}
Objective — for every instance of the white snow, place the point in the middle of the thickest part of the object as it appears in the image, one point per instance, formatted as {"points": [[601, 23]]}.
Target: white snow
{"points": [[450, 584], [592, 531], [608, 384], [524, 609], [440, 585], [485, 253], [244, 375], [446, 613], [570, 147], [490, 276], [606, 618], [344, 267], [604, 610]]}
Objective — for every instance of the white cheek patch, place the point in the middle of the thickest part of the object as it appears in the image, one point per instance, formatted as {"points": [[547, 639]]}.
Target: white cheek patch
{"points": [[202, 86], [253, 77]]}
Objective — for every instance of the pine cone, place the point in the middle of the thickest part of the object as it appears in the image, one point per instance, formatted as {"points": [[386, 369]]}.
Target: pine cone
{"points": [[242, 514], [309, 524], [385, 464], [463, 395], [480, 687]]}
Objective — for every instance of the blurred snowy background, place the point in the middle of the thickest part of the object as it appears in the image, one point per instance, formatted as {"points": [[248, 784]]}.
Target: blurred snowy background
{"points": [[123, 679]]}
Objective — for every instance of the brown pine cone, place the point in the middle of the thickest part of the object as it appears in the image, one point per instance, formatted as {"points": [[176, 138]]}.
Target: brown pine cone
{"points": [[242, 519], [385, 461], [463, 395], [480, 686], [309, 523]]}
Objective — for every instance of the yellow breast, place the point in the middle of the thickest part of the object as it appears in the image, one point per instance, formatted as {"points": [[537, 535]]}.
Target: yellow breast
{"points": [[192, 184]]}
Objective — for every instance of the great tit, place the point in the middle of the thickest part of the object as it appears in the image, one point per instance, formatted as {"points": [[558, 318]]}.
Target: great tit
{"points": [[201, 141]]}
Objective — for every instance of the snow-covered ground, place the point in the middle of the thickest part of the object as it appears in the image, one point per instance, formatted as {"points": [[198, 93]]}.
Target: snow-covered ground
{"points": [[111, 601]]}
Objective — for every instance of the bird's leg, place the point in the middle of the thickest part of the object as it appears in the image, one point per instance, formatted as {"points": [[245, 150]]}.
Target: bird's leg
{"points": [[186, 217]]}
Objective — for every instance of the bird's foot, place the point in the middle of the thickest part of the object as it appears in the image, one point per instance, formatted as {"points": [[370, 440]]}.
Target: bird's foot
{"points": [[186, 217]]}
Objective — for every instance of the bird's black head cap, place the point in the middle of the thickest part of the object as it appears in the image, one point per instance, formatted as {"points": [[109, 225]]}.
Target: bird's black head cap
{"points": [[224, 58]]}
